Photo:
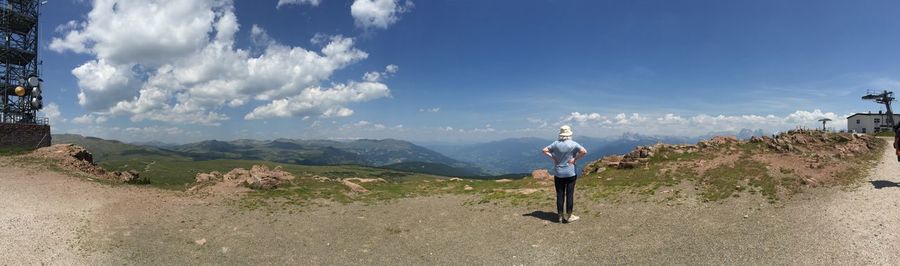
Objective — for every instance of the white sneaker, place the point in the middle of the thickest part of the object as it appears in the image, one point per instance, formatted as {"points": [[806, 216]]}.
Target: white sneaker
{"points": [[573, 218]]}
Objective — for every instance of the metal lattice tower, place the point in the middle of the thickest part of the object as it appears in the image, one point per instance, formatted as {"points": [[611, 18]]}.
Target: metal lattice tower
{"points": [[883, 97], [19, 65]]}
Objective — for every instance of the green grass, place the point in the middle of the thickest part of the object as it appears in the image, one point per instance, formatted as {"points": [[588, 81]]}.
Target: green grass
{"points": [[180, 174], [885, 134], [722, 182], [641, 181], [10, 151], [304, 190]]}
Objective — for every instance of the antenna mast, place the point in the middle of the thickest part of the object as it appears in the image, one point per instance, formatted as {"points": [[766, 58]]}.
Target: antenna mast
{"points": [[20, 81]]}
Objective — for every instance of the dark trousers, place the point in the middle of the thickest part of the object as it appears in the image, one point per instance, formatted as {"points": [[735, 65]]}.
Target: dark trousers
{"points": [[565, 193]]}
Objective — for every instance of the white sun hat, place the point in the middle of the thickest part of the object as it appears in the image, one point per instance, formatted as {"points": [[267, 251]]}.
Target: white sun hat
{"points": [[565, 131]]}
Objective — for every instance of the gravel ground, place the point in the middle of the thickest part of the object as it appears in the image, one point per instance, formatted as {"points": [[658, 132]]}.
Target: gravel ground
{"points": [[48, 218]]}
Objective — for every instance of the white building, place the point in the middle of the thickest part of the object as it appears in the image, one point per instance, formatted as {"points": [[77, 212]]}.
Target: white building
{"points": [[869, 122]]}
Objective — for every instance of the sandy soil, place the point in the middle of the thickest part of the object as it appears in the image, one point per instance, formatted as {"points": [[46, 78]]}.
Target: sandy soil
{"points": [[49, 218]]}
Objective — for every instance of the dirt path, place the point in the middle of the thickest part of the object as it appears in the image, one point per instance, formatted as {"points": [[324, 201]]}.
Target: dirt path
{"points": [[48, 218], [44, 214], [865, 223]]}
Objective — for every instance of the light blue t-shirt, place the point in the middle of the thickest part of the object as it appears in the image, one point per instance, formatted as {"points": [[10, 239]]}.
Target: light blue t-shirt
{"points": [[566, 150]]}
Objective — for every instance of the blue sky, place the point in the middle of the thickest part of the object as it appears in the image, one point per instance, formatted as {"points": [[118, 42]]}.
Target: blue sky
{"points": [[459, 71]]}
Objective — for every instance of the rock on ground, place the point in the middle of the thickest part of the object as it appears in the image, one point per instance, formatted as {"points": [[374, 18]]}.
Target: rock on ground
{"points": [[541, 175], [355, 188]]}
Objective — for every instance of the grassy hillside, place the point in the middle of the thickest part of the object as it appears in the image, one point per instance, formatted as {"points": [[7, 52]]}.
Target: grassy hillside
{"points": [[177, 168], [318, 152], [434, 168], [275, 151], [179, 174], [772, 167], [105, 150]]}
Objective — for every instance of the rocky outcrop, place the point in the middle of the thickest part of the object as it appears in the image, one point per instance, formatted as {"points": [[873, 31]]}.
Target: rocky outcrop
{"points": [[258, 177], [635, 158], [542, 176], [207, 177], [718, 141], [261, 177], [838, 145], [355, 188], [803, 141], [366, 180], [76, 158]]}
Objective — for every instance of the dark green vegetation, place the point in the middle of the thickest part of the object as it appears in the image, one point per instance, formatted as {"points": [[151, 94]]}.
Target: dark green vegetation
{"points": [[885, 134], [14, 151]]}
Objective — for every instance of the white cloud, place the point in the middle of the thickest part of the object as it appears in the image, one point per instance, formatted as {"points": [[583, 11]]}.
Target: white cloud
{"points": [[327, 102], [178, 64], [623, 119], [145, 32], [391, 69], [539, 122], [89, 119], [671, 124], [260, 37], [155, 131], [103, 84], [299, 2], [803, 117], [430, 110], [51, 110], [369, 126], [583, 118], [378, 13], [487, 128]]}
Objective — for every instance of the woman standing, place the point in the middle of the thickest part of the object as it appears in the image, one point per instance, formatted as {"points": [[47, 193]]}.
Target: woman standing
{"points": [[564, 153]]}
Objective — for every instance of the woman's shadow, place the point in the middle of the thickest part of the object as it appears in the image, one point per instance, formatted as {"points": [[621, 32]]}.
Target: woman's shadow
{"points": [[546, 216], [879, 184]]}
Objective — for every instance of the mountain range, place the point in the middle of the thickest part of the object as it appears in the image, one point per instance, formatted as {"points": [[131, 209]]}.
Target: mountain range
{"points": [[386, 153], [521, 155], [514, 155]]}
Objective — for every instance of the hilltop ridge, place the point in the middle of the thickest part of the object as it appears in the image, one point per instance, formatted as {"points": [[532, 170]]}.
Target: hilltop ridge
{"points": [[721, 167], [388, 153]]}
